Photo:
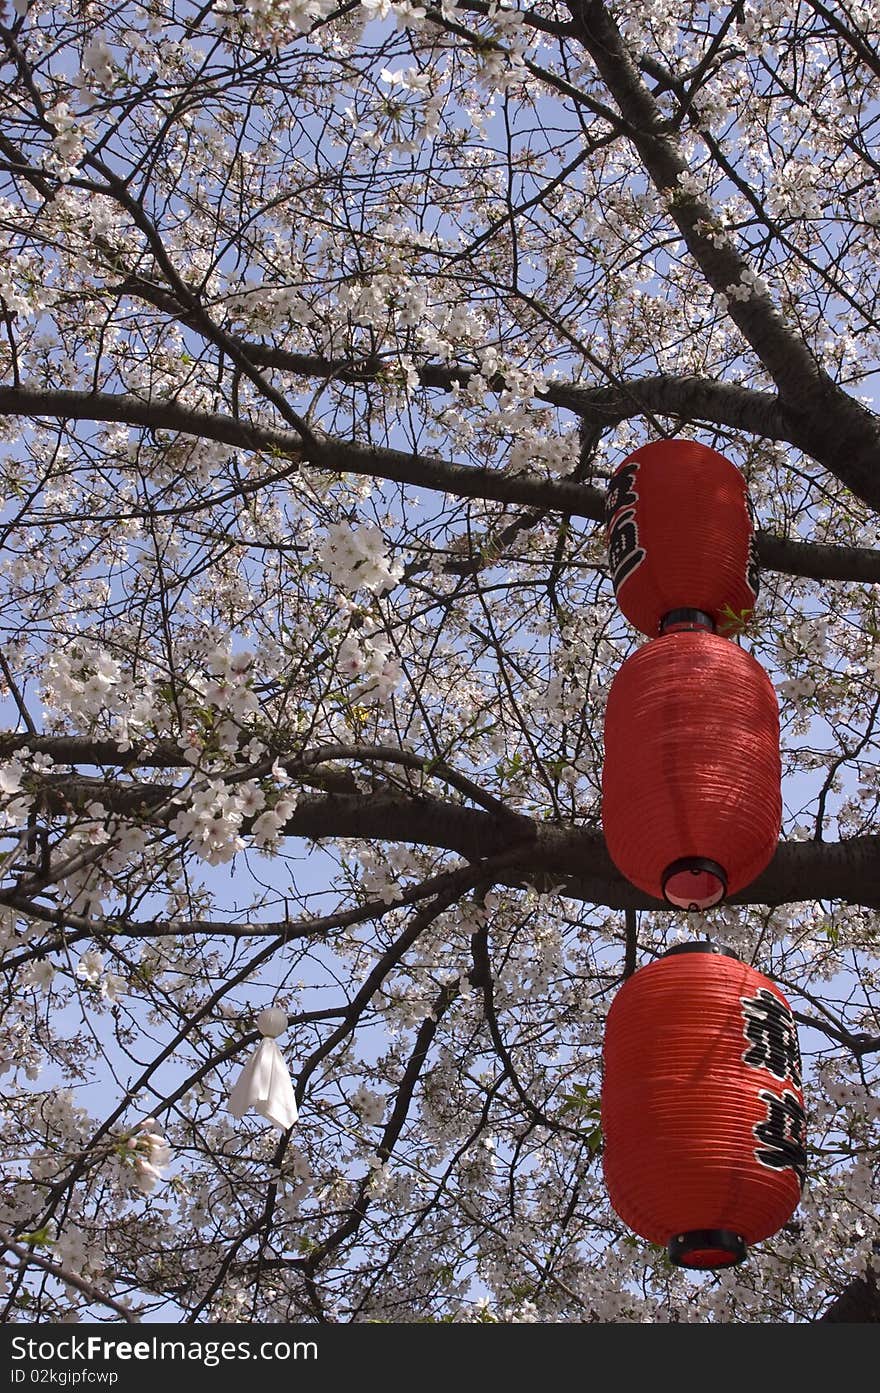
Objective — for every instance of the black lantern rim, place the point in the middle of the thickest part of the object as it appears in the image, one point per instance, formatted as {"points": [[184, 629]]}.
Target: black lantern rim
{"points": [[704, 946], [678, 620], [726, 1247], [696, 865]]}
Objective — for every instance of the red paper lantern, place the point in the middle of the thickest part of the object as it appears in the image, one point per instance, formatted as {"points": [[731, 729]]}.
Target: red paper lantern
{"points": [[680, 536], [691, 797], [702, 1108]]}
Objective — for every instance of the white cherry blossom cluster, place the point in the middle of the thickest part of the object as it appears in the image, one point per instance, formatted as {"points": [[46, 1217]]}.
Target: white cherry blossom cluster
{"points": [[355, 558], [369, 1106], [654, 22], [689, 184], [268, 827], [295, 1181], [271, 22], [407, 1005], [807, 637], [19, 1050], [502, 65], [369, 662], [211, 821], [80, 1251], [14, 810], [404, 12], [796, 191], [557, 453], [86, 882], [229, 688], [714, 232], [749, 285], [388, 299], [145, 1155], [90, 969], [378, 878], [410, 79], [439, 1108], [22, 281], [84, 682], [39, 974], [68, 143], [96, 73], [213, 813], [265, 307]]}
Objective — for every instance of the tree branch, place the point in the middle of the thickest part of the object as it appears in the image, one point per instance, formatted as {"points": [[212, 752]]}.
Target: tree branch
{"points": [[29, 1258], [858, 1303], [838, 431], [573, 860], [777, 553]]}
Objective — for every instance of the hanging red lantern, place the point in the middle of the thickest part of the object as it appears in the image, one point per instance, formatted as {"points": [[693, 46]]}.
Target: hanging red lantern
{"points": [[702, 1107], [679, 529], [691, 796]]}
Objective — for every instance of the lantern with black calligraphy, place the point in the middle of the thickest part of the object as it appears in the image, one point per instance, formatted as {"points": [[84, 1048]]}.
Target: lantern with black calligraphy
{"points": [[702, 1108], [679, 529], [691, 785]]}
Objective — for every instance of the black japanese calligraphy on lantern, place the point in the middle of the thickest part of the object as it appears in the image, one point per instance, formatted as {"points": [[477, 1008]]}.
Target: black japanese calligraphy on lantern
{"points": [[782, 1134], [621, 491], [769, 1027], [624, 552], [753, 569]]}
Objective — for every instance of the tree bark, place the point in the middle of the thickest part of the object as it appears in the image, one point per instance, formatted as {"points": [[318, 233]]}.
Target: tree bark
{"points": [[858, 1303]]}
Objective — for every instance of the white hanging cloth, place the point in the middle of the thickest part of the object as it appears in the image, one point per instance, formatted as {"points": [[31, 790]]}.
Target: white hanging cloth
{"points": [[264, 1084]]}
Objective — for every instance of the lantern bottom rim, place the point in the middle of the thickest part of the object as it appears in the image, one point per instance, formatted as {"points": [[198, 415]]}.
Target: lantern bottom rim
{"points": [[687, 620], [694, 883], [707, 1248]]}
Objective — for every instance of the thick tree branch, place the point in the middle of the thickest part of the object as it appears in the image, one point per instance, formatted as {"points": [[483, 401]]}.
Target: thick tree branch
{"points": [[691, 397], [829, 425], [819, 562], [858, 1303], [334, 455], [573, 860]]}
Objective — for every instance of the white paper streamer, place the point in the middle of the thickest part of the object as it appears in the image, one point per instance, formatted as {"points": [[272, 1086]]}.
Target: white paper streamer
{"points": [[264, 1084]]}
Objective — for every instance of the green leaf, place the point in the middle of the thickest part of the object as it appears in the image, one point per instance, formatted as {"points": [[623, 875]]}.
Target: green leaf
{"points": [[581, 1100], [38, 1238]]}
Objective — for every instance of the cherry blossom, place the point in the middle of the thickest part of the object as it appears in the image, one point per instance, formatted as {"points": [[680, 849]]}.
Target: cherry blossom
{"points": [[322, 329]]}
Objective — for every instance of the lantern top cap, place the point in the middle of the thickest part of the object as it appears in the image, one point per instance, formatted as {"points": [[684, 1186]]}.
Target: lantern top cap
{"points": [[702, 946], [686, 620]]}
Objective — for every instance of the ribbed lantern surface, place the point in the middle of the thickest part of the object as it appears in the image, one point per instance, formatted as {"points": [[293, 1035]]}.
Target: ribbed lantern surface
{"points": [[702, 1108], [691, 796], [679, 536]]}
